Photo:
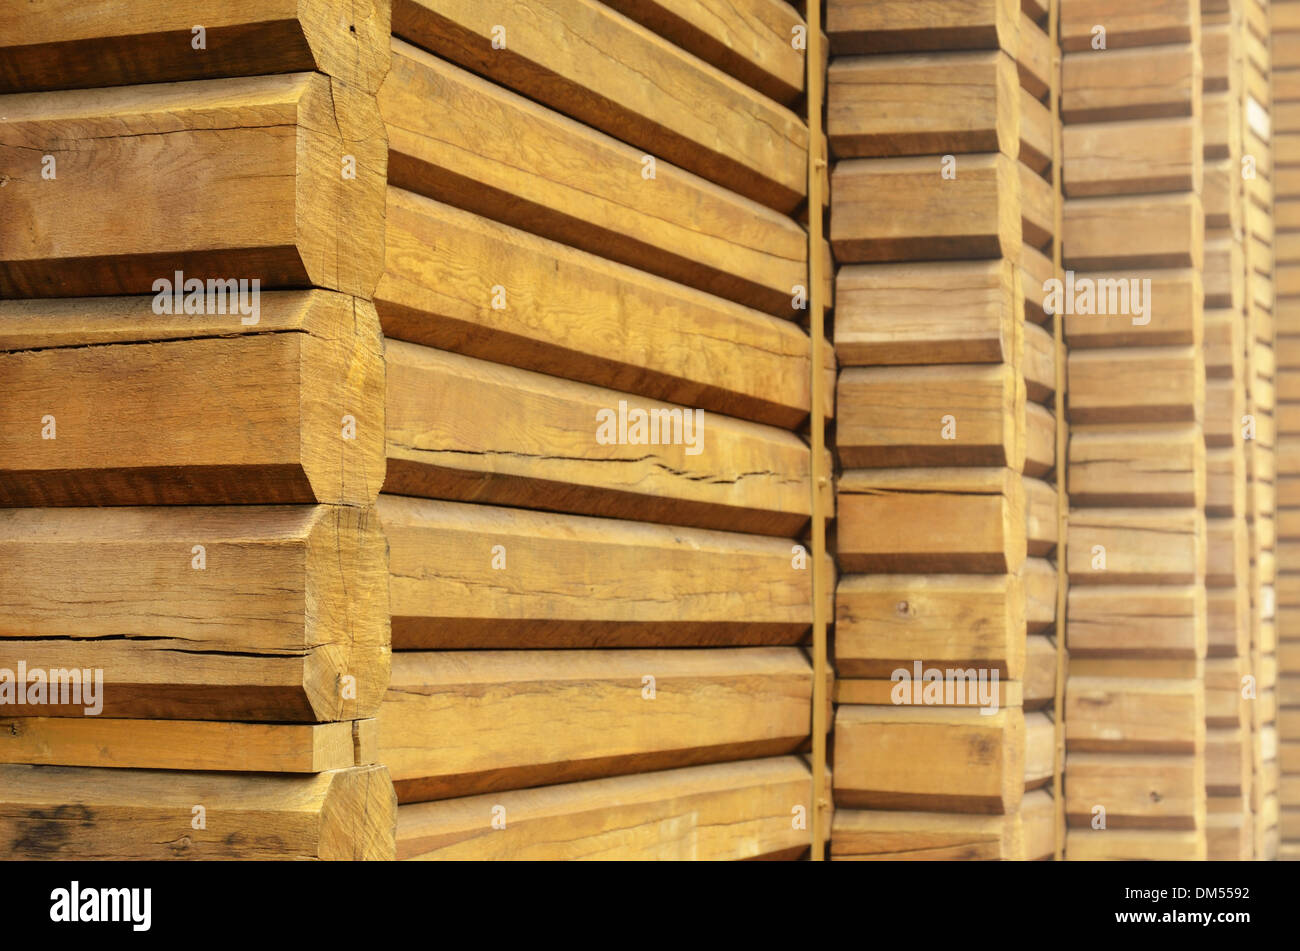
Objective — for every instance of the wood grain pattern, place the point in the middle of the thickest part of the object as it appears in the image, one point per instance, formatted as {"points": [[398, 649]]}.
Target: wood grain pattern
{"points": [[884, 622], [470, 143], [222, 179], [177, 744], [887, 26], [931, 520], [290, 601], [576, 315], [947, 759], [751, 42], [477, 576], [587, 61], [148, 814], [900, 209], [899, 416], [190, 409], [464, 723], [64, 44], [722, 811], [924, 104], [927, 313], [541, 450]]}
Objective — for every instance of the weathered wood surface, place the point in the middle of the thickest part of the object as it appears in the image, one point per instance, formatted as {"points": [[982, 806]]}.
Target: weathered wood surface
{"points": [[1150, 791], [927, 313], [722, 811], [465, 723], [585, 318], [288, 602], [192, 408], [969, 415], [1135, 715], [903, 209], [1121, 158], [1171, 310], [1137, 621], [1153, 23], [752, 43], [887, 26], [66, 44], [542, 449], [55, 812], [886, 622], [1135, 845], [931, 520], [179, 744], [924, 104], [222, 179], [1143, 231], [896, 835], [1101, 385], [1137, 465], [463, 140], [587, 61], [1141, 546], [1145, 83], [478, 576], [947, 759]]}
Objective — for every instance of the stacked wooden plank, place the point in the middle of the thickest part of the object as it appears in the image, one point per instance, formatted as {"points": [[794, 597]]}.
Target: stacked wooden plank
{"points": [[192, 432], [942, 221], [596, 491], [1258, 227], [1229, 825], [1285, 15], [1136, 551]]}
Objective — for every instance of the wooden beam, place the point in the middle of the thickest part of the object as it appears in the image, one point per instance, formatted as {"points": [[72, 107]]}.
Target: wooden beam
{"points": [[885, 622], [146, 411], [587, 61], [927, 313], [465, 723], [72, 45], [931, 520], [894, 835], [555, 177], [242, 178], [55, 812], [543, 450], [674, 342], [177, 744], [901, 416], [285, 603], [900, 209], [889, 26], [924, 104], [756, 47], [723, 811], [949, 759], [478, 576]]}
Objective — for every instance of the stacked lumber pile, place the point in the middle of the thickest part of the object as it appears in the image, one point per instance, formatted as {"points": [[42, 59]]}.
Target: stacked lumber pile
{"points": [[596, 630], [943, 219], [1286, 124], [1258, 227], [188, 487], [1229, 827], [1136, 553]]}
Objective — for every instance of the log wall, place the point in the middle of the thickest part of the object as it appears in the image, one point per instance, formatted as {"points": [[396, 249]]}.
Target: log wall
{"points": [[599, 637], [187, 489], [1137, 608], [486, 528], [1285, 23], [943, 218]]}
